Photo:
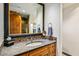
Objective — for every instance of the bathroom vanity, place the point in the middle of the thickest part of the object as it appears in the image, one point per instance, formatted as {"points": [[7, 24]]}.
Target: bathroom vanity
{"points": [[47, 48]]}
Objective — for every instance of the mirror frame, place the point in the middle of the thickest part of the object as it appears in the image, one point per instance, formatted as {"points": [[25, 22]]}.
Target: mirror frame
{"points": [[6, 17]]}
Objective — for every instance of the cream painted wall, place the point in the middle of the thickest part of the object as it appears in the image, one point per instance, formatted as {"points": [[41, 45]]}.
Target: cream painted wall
{"points": [[1, 24], [71, 29], [53, 15]]}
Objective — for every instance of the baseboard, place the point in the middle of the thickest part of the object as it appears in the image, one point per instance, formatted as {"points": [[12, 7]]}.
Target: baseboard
{"points": [[66, 54]]}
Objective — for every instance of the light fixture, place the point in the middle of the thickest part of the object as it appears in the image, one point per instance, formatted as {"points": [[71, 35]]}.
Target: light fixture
{"points": [[23, 11]]}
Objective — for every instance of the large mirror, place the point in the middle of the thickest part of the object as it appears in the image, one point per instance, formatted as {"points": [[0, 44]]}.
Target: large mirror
{"points": [[25, 18]]}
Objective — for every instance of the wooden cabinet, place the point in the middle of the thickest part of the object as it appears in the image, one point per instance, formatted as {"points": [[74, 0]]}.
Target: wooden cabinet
{"points": [[39, 52], [52, 49], [23, 54], [48, 50]]}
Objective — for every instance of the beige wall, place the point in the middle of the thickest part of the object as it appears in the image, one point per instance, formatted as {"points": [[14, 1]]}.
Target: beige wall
{"points": [[1, 24], [71, 29]]}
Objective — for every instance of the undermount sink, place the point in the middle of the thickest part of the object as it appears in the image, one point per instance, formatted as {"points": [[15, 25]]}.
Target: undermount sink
{"points": [[36, 43]]}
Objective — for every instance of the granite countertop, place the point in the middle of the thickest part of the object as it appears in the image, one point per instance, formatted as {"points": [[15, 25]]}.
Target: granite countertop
{"points": [[22, 47]]}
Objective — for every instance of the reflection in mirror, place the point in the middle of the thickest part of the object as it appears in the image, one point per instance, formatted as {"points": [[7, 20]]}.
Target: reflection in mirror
{"points": [[25, 18]]}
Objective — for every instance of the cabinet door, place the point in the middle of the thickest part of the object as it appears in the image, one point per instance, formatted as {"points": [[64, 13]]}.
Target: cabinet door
{"points": [[52, 50]]}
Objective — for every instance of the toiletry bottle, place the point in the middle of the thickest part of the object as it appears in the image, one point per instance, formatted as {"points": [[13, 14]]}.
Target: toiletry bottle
{"points": [[50, 30]]}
